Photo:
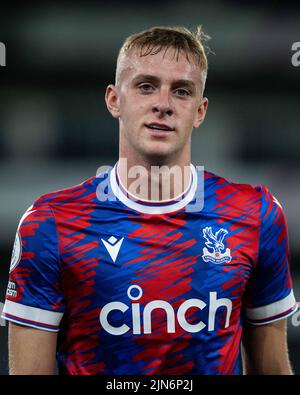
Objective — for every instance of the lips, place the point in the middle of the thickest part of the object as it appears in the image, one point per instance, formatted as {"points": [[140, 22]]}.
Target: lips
{"points": [[159, 127]]}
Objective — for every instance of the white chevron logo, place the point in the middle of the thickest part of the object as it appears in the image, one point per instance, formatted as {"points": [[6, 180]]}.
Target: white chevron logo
{"points": [[113, 246]]}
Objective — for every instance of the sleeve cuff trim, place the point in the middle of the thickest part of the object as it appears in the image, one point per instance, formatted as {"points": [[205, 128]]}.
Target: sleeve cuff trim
{"points": [[32, 324], [275, 318], [31, 315], [273, 310]]}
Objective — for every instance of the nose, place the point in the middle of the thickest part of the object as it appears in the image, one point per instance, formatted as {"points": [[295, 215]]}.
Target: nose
{"points": [[162, 105]]}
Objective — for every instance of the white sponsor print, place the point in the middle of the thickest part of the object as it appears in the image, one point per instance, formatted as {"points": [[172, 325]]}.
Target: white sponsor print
{"points": [[11, 289], [214, 241], [170, 314]]}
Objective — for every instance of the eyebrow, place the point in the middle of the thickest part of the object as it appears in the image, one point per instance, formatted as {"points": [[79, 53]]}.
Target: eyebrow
{"points": [[176, 83], [185, 83], [146, 77]]}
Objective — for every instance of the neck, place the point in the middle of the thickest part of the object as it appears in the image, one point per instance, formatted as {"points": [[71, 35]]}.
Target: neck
{"points": [[155, 181]]}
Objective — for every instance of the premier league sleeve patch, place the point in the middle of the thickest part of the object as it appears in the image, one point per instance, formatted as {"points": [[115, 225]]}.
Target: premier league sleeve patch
{"points": [[17, 252]]}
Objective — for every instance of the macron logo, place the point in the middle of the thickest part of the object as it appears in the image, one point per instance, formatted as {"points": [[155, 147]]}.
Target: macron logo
{"points": [[113, 246]]}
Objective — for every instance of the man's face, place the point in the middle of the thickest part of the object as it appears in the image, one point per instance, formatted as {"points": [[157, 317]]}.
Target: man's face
{"points": [[158, 101]]}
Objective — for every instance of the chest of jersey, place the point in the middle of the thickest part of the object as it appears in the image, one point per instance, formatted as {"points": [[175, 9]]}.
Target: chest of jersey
{"points": [[144, 274]]}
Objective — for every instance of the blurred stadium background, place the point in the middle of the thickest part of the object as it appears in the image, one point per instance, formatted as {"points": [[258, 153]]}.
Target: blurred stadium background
{"points": [[55, 130]]}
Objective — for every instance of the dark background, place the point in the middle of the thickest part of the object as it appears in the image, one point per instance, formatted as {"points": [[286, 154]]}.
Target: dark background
{"points": [[55, 130]]}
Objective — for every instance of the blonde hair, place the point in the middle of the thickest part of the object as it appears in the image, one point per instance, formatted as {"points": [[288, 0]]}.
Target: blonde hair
{"points": [[158, 38]]}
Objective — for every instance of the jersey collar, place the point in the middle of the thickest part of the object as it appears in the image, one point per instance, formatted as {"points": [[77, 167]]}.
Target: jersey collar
{"points": [[150, 206]]}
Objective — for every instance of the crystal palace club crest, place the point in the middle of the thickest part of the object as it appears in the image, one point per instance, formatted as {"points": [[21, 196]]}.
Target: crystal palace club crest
{"points": [[214, 242]]}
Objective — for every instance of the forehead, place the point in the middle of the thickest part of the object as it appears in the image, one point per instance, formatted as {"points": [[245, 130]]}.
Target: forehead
{"points": [[166, 65]]}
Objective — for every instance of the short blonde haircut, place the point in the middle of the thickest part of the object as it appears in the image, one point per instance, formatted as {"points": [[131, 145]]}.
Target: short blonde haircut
{"points": [[158, 38]]}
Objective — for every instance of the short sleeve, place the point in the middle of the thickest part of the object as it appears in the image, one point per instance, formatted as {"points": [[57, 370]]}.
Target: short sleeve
{"points": [[34, 293], [269, 295]]}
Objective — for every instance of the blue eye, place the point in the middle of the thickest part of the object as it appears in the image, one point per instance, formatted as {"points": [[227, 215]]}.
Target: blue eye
{"points": [[146, 88], [182, 92]]}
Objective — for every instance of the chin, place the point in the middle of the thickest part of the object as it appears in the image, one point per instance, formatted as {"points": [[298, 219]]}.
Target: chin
{"points": [[157, 158]]}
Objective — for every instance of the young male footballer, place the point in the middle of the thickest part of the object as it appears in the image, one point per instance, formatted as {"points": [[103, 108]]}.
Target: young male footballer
{"points": [[154, 266]]}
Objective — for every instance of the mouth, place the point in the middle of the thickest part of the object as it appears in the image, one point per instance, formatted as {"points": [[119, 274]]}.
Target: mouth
{"points": [[159, 127]]}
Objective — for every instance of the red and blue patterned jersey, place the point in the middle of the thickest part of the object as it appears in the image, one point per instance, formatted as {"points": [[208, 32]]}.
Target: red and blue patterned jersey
{"points": [[134, 287]]}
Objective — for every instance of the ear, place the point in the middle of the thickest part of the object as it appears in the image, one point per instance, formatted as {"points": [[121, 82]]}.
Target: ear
{"points": [[201, 112], [112, 101]]}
